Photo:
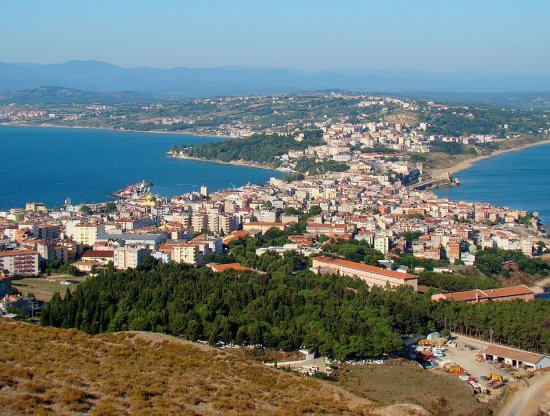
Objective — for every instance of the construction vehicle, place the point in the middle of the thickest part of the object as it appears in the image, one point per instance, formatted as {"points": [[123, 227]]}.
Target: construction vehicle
{"points": [[495, 377], [432, 342]]}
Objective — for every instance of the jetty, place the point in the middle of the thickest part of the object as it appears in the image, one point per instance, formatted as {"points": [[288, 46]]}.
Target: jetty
{"points": [[134, 190], [444, 181]]}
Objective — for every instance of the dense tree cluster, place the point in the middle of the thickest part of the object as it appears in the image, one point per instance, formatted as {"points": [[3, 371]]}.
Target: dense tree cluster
{"points": [[313, 167], [520, 324], [285, 308], [57, 266], [338, 316], [257, 148], [354, 250], [454, 282], [494, 261]]}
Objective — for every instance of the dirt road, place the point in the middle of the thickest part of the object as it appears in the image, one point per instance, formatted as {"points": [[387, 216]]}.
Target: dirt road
{"points": [[527, 399]]}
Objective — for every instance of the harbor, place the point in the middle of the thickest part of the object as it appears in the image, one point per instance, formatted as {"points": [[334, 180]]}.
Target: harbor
{"points": [[134, 190]]}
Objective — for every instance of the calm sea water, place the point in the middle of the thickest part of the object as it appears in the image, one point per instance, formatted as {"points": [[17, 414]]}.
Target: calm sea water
{"points": [[519, 180], [51, 164]]}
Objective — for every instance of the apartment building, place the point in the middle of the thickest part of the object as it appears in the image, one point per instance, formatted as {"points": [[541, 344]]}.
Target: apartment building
{"points": [[20, 262], [129, 257], [186, 253], [87, 234]]}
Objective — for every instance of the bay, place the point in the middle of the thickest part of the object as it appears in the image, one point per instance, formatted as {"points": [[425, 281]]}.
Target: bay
{"points": [[519, 180], [51, 164]]}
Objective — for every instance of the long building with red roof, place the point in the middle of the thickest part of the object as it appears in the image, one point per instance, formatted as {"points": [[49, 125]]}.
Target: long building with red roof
{"points": [[521, 292], [373, 276]]}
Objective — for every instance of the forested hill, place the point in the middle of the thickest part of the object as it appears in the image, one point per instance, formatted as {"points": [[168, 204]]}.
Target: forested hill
{"points": [[339, 317], [257, 148]]}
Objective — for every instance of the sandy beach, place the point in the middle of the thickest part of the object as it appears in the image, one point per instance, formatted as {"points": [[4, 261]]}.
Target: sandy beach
{"points": [[435, 173]]}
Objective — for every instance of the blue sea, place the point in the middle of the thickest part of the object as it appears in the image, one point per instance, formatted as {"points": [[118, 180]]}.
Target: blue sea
{"points": [[519, 180], [51, 164]]}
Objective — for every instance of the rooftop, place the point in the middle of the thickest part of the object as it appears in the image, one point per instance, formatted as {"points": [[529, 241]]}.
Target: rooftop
{"points": [[514, 354], [366, 268]]}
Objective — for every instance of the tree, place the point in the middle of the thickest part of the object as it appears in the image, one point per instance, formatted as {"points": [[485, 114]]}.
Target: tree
{"points": [[85, 209], [284, 308], [110, 208]]}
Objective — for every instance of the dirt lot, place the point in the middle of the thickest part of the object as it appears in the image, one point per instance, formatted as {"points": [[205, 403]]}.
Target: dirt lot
{"points": [[466, 358], [44, 287], [434, 390]]}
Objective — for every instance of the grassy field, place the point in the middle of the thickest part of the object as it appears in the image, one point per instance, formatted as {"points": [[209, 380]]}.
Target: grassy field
{"points": [[438, 392], [44, 287], [55, 371]]}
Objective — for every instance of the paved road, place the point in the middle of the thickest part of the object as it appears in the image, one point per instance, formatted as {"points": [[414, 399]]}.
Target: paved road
{"points": [[527, 399]]}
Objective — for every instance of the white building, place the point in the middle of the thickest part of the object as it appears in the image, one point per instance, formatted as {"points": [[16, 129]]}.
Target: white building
{"points": [[129, 257]]}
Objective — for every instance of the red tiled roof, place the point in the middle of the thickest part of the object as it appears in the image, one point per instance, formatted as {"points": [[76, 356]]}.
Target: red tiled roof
{"points": [[98, 253], [466, 295], [218, 268], [266, 223], [366, 268], [17, 253], [477, 294], [512, 353], [509, 291]]}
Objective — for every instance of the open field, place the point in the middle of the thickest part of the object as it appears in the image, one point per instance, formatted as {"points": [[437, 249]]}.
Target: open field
{"points": [[44, 287], [438, 392]]}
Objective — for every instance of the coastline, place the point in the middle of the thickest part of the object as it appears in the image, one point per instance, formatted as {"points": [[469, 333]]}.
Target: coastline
{"points": [[234, 163], [173, 133], [541, 230], [435, 173]]}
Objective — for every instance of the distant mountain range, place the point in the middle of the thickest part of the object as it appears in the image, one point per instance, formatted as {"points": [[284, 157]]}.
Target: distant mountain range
{"points": [[199, 82]]}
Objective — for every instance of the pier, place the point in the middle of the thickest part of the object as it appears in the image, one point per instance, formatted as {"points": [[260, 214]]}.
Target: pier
{"points": [[443, 181]]}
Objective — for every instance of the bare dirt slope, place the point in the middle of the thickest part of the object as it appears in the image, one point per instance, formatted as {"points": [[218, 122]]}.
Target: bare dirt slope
{"points": [[528, 397]]}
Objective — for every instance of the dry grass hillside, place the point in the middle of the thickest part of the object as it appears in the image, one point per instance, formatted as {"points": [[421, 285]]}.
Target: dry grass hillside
{"points": [[55, 371]]}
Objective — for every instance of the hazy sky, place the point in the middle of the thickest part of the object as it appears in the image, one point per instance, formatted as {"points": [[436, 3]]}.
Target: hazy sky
{"points": [[427, 35]]}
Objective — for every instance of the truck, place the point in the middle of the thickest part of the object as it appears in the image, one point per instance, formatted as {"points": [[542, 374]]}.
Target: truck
{"points": [[476, 388]]}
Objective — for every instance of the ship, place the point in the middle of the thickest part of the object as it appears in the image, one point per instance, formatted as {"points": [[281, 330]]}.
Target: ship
{"points": [[134, 191]]}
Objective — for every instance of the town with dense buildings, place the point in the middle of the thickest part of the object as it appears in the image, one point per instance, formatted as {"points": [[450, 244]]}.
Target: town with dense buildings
{"points": [[357, 204], [375, 190]]}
